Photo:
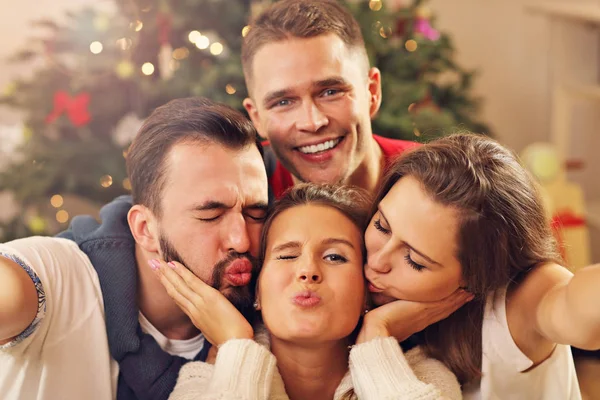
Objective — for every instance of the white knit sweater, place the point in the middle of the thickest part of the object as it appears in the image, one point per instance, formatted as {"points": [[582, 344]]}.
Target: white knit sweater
{"points": [[247, 370]]}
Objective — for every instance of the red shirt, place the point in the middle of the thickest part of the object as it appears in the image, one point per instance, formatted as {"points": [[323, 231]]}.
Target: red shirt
{"points": [[280, 179]]}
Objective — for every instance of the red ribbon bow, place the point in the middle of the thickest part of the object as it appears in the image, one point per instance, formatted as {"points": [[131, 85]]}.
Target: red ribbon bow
{"points": [[75, 107]]}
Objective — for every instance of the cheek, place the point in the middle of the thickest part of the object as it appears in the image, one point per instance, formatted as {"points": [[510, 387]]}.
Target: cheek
{"points": [[254, 231], [422, 286], [373, 240]]}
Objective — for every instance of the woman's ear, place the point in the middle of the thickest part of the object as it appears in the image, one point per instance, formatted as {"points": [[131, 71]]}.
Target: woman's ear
{"points": [[144, 228]]}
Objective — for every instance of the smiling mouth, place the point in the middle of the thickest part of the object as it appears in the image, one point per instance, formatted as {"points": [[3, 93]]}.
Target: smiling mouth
{"points": [[321, 147]]}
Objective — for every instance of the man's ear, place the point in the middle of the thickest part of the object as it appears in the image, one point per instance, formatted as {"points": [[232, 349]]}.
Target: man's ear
{"points": [[144, 228], [252, 111], [374, 91]]}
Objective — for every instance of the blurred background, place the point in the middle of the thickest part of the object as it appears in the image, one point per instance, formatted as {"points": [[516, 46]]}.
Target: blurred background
{"points": [[77, 77]]}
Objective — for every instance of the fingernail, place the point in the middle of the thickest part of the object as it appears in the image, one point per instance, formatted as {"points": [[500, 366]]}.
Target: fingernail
{"points": [[171, 264], [154, 264]]}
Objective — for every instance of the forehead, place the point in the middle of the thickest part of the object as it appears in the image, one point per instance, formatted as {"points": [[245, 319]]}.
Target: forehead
{"points": [[313, 222], [300, 61], [197, 172], [419, 220]]}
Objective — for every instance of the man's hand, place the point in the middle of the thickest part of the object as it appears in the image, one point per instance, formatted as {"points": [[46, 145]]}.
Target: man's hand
{"points": [[217, 319], [402, 318]]}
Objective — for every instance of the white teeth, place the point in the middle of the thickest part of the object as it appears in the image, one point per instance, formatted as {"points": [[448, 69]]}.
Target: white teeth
{"points": [[315, 148]]}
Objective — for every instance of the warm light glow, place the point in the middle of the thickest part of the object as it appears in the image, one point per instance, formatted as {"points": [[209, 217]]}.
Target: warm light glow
{"points": [[230, 89], [126, 184], [124, 43], [62, 216], [124, 153], [384, 33], [124, 69], [216, 48], [106, 181], [411, 45], [148, 68], [194, 36], [411, 107], [245, 30], [417, 132], [137, 25], [181, 53], [96, 47], [202, 43], [56, 201], [375, 5], [174, 65]]}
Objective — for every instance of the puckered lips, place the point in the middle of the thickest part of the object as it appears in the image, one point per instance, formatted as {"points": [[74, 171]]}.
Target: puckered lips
{"points": [[321, 150], [306, 299], [373, 288], [239, 272]]}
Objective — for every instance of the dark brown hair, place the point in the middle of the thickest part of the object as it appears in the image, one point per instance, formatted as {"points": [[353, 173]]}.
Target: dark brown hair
{"points": [[353, 202], [300, 19], [503, 231], [185, 120]]}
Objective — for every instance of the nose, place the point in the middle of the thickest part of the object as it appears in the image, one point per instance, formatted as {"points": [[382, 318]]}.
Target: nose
{"points": [[379, 262], [311, 118], [309, 272], [236, 237]]}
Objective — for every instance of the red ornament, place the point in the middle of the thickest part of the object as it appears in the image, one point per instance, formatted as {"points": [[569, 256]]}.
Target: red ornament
{"points": [[75, 107]]}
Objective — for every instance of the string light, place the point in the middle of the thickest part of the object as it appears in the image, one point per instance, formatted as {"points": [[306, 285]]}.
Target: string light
{"points": [[417, 132], [245, 30], [375, 5], [411, 107], [62, 216], [202, 43], [411, 45], [148, 68], [56, 201], [216, 48], [194, 36], [230, 89], [96, 47], [126, 184], [106, 181]]}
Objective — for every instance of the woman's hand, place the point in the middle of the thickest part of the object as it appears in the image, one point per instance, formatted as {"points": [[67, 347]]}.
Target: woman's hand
{"points": [[217, 319], [402, 318]]}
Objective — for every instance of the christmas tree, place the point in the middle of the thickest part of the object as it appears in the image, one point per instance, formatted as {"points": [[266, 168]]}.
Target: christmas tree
{"points": [[99, 74]]}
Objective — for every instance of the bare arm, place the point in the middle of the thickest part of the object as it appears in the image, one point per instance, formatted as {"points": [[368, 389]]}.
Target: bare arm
{"points": [[552, 305], [570, 312], [18, 300]]}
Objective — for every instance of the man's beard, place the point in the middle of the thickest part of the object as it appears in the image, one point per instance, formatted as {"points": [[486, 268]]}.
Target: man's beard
{"points": [[240, 296]]}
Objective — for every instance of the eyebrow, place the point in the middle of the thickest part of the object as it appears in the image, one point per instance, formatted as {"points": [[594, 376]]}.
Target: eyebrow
{"points": [[210, 205], [218, 205], [408, 244], [296, 244], [333, 81]]}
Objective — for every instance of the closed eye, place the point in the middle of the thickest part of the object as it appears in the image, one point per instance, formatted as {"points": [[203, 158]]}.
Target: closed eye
{"points": [[286, 257]]}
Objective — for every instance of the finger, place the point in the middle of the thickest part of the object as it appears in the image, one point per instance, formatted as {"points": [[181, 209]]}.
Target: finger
{"points": [[179, 285], [192, 281], [186, 305]]}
